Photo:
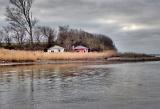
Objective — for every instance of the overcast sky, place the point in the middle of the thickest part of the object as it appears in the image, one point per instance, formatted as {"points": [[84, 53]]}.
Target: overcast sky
{"points": [[134, 25]]}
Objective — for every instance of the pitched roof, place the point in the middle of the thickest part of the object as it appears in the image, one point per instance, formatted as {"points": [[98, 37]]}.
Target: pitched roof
{"points": [[80, 47], [55, 47]]}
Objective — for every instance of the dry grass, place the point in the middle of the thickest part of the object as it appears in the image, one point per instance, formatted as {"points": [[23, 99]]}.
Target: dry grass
{"points": [[16, 56], [133, 55], [25, 56]]}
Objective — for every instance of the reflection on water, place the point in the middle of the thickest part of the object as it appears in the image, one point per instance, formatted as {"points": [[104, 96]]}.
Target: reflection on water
{"points": [[69, 86]]}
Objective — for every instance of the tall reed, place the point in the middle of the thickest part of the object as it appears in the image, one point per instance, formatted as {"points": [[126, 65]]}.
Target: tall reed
{"points": [[24, 56]]}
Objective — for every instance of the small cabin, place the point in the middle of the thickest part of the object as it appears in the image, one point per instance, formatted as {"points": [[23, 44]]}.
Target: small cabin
{"points": [[56, 49], [81, 49]]}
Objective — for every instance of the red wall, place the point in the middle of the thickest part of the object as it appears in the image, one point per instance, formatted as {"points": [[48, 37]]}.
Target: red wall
{"points": [[81, 50]]}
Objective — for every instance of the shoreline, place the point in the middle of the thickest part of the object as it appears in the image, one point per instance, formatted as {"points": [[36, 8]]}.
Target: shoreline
{"points": [[112, 60], [24, 58]]}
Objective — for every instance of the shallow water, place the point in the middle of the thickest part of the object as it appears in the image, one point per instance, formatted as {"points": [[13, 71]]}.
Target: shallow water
{"points": [[81, 86]]}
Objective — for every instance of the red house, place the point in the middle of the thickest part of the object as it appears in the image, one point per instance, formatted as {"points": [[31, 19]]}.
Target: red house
{"points": [[81, 49]]}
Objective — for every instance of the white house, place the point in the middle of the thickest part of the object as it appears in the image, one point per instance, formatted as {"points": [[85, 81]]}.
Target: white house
{"points": [[56, 49]]}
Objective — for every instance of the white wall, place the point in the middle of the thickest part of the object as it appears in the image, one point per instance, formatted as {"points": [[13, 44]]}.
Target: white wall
{"points": [[56, 50]]}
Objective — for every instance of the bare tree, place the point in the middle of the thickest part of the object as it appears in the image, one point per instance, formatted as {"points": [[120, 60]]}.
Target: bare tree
{"points": [[19, 15], [8, 35], [39, 37], [19, 35], [1, 37], [68, 37], [64, 28], [49, 33]]}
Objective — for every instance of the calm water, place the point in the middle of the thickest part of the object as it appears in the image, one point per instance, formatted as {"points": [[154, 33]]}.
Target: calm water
{"points": [[119, 86]]}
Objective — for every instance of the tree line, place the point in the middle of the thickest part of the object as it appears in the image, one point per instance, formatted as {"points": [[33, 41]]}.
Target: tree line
{"points": [[23, 32]]}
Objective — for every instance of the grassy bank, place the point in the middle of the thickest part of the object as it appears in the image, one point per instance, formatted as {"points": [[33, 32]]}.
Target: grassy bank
{"points": [[138, 59], [133, 57], [32, 56]]}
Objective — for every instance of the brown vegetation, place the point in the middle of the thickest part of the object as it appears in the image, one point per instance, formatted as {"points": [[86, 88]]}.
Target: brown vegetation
{"points": [[95, 42], [26, 56], [133, 55]]}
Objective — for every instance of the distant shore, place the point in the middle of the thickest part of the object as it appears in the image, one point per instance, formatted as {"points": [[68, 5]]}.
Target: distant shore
{"points": [[139, 59], [112, 60], [16, 58]]}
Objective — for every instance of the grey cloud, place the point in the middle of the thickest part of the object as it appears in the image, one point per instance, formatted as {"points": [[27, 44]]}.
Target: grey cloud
{"points": [[91, 15]]}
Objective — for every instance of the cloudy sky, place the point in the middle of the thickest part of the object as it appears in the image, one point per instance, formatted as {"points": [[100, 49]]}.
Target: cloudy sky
{"points": [[134, 25]]}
